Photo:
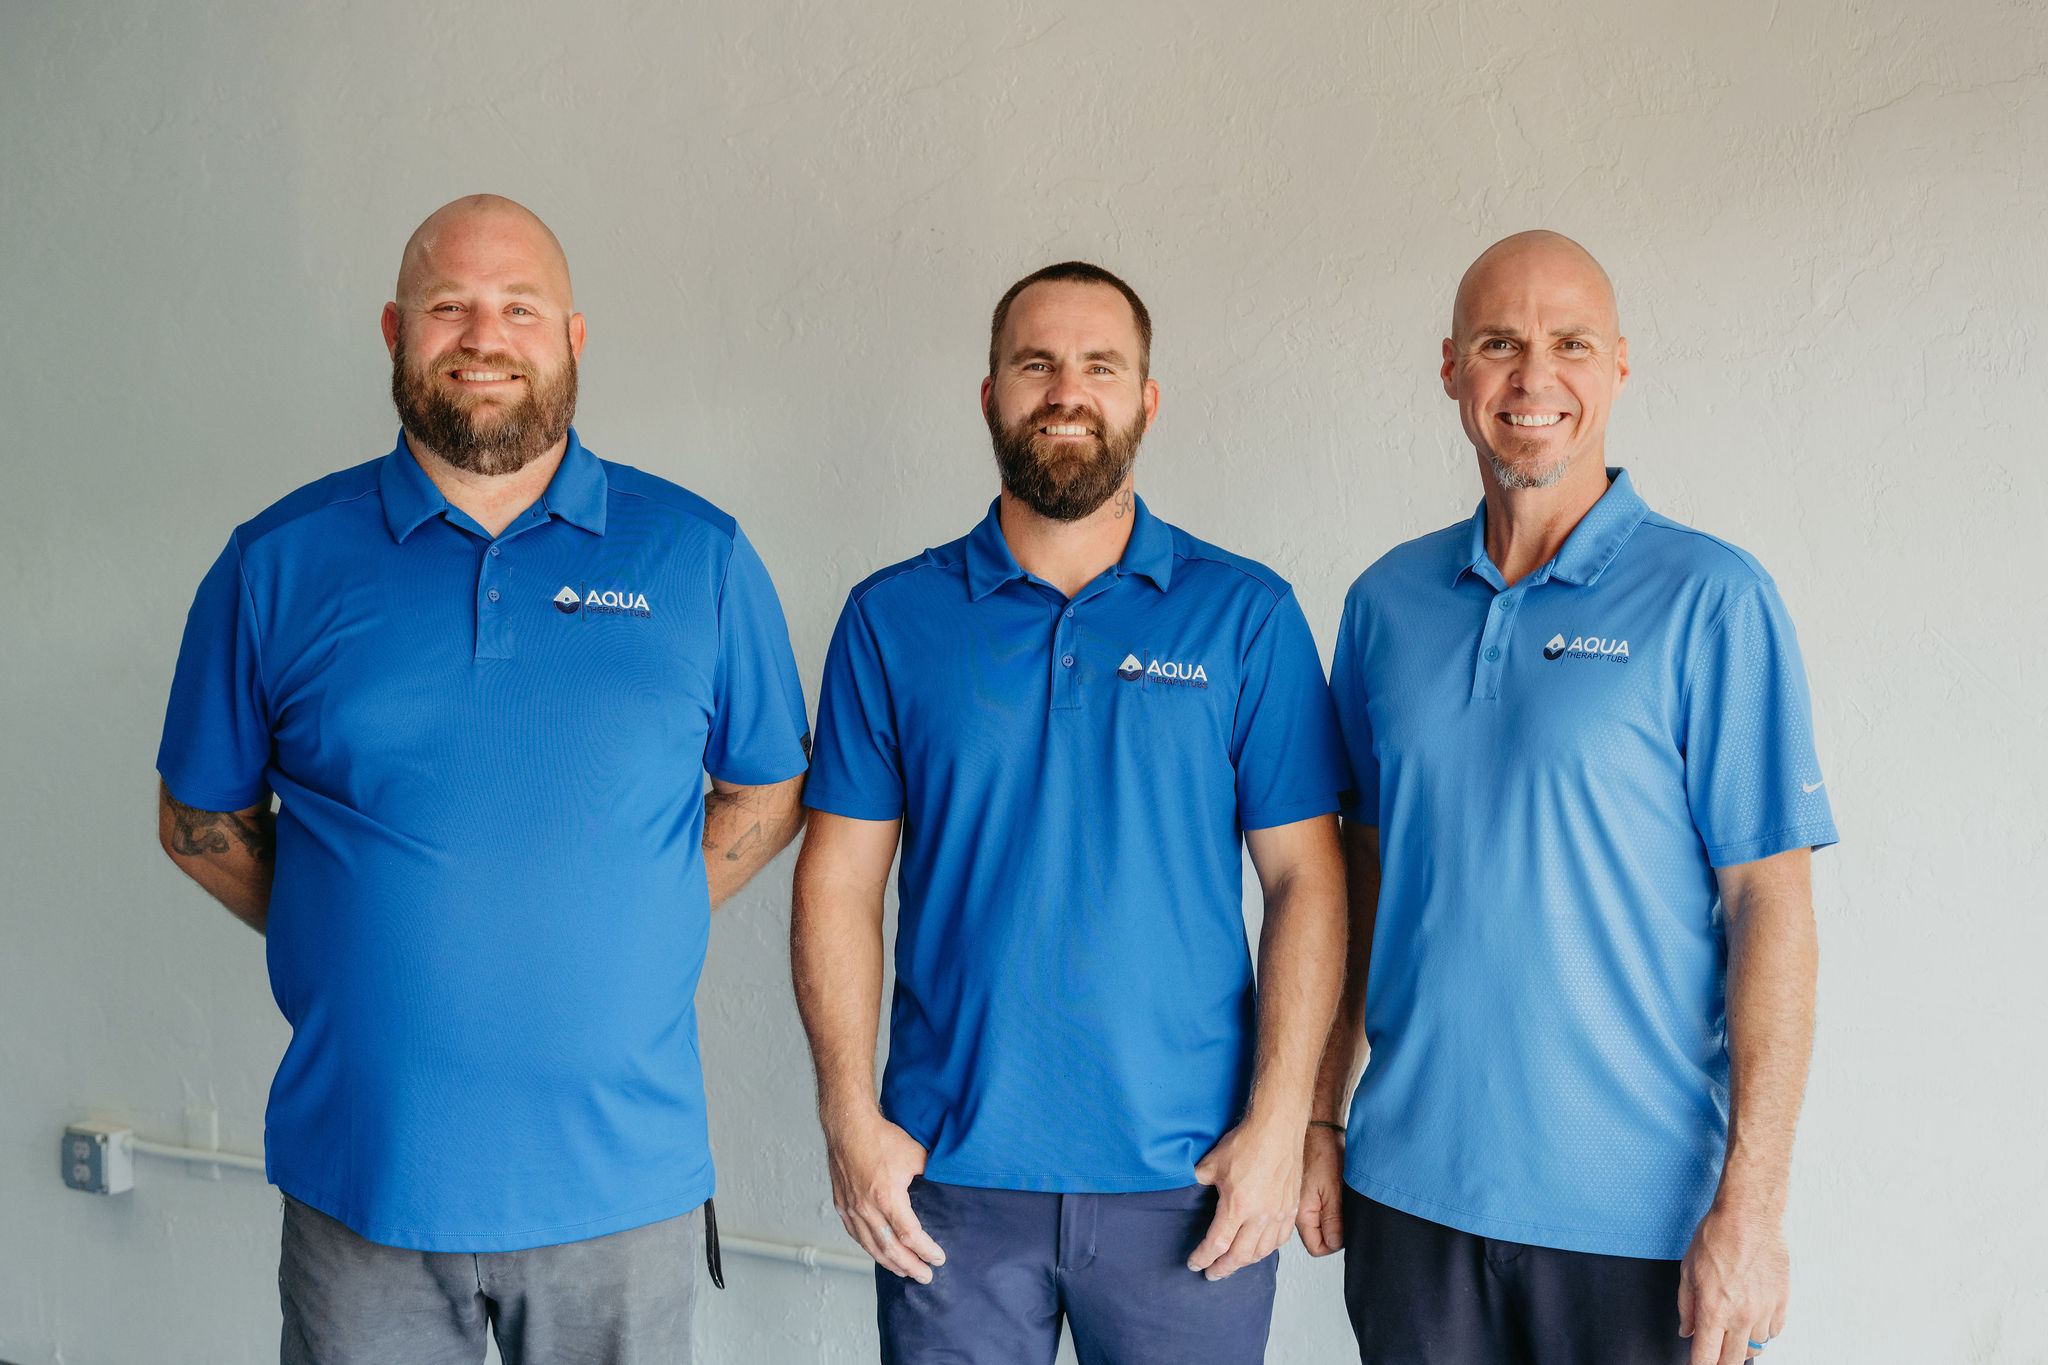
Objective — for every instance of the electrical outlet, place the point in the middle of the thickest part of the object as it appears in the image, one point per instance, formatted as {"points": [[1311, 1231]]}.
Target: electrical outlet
{"points": [[95, 1158]]}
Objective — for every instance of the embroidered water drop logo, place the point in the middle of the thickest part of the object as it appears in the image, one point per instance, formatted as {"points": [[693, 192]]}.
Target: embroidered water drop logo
{"points": [[1168, 671], [566, 601], [1603, 648]]}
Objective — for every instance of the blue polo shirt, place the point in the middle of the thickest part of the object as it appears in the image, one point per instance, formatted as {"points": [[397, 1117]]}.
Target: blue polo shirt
{"points": [[490, 908], [1556, 769], [1073, 1007]]}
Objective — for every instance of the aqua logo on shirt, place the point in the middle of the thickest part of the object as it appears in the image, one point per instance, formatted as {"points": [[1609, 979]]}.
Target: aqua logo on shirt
{"points": [[608, 602], [1166, 671], [1614, 651]]}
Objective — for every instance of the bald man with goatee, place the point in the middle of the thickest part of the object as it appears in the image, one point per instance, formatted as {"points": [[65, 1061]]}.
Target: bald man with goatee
{"points": [[1584, 798], [440, 729]]}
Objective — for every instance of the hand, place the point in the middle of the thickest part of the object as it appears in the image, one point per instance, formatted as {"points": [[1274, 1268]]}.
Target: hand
{"points": [[1256, 1170], [1321, 1220], [1733, 1286], [872, 1164]]}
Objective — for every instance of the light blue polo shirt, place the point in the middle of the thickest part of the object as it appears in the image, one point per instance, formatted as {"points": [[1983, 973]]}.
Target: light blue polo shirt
{"points": [[1556, 770], [490, 909], [1074, 1007]]}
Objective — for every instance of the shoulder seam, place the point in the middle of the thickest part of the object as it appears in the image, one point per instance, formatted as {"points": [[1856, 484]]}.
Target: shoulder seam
{"points": [[1757, 573], [1278, 594], [730, 528], [921, 562], [297, 517]]}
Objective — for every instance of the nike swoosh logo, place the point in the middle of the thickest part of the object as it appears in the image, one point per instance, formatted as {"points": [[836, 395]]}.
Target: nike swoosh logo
{"points": [[1812, 787]]}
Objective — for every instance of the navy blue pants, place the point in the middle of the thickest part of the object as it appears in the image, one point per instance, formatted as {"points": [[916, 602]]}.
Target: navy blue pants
{"points": [[1420, 1293], [1114, 1266]]}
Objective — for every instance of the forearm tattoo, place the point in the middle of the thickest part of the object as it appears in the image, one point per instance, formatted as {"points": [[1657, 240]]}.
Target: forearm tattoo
{"points": [[197, 832]]}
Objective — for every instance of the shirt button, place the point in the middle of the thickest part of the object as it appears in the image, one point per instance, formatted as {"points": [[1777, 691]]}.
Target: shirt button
{"points": [[494, 594], [1067, 661], [1070, 611], [494, 550], [1492, 651]]}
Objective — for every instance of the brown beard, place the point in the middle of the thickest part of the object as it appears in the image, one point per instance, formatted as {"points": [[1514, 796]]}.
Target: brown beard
{"points": [[1054, 478], [461, 434]]}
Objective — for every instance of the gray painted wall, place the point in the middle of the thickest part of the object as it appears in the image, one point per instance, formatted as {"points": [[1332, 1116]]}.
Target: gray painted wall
{"points": [[788, 223]]}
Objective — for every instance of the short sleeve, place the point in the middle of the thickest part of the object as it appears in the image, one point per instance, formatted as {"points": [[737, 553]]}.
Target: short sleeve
{"points": [[1284, 740], [1360, 800], [1751, 776], [217, 740], [758, 734], [856, 768]]}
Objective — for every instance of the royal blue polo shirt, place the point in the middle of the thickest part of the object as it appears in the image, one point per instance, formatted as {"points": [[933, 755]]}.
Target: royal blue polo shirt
{"points": [[490, 908], [1074, 1006], [1556, 769]]}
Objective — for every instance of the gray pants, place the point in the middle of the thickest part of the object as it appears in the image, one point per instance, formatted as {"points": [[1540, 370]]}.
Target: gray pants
{"points": [[623, 1299]]}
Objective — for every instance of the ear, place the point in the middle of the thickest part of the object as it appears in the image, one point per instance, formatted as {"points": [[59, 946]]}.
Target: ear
{"points": [[988, 388], [576, 335], [390, 325], [1151, 403], [1450, 368], [1620, 364]]}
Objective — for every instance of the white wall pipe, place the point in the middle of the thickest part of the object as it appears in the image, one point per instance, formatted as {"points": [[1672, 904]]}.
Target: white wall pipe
{"points": [[793, 1253], [198, 1156]]}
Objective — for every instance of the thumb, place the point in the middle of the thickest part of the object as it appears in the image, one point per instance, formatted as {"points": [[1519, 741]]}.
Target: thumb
{"points": [[1332, 1216], [1205, 1171], [1685, 1304]]}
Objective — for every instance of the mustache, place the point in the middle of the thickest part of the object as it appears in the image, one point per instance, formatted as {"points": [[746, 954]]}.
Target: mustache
{"points": [[1049, 415], [463, 359]]}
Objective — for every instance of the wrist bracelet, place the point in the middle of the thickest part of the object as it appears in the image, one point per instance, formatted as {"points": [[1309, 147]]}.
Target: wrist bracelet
{"points": [[1325, 1123]]}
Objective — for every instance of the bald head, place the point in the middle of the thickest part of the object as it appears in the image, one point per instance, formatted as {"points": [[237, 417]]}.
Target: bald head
{"points": [[1537, 261], [1535, 360], [484, 337], [492, 226]]}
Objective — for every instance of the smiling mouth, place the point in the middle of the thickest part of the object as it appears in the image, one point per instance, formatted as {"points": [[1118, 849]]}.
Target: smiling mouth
{"points": [[1065, 429], [482, 376], [1531, 419]]}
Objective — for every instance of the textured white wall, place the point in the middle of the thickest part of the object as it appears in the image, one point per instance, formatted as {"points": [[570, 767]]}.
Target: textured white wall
{"points": [[788, 222]]}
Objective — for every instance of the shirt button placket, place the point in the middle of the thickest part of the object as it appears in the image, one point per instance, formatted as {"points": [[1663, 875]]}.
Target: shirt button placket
{"points": [[1493, 649], [492, 637], [1066, 689]]}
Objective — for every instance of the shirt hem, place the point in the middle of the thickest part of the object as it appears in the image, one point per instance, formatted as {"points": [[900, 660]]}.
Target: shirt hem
{"points": [[1768, 845], [207, 798], [1276, 816], [1510, 1230], [413, 1239], [941, 1174], [746, 778], [833, 804]]}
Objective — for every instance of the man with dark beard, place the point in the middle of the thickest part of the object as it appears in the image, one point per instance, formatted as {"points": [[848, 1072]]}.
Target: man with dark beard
{"points": [[1071, 717], [485, 674]]}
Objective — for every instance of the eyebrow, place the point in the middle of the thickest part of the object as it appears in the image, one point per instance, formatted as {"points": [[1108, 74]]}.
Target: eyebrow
{"points": [[451, 287], [1040, 353], [1503, 330]]}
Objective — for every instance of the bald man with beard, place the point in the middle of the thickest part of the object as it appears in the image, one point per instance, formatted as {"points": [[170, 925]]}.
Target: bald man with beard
{"points": [[484, 678], [1583, 804]]}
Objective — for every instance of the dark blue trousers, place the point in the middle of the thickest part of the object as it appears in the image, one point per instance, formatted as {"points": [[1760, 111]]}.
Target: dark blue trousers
{"points": [[1420, 1293], [1113, 1266]]}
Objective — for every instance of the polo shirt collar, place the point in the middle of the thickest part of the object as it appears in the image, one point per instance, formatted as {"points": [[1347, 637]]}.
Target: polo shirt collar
{"points": [[1586, 552], [578, 493], [990, 563]]}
